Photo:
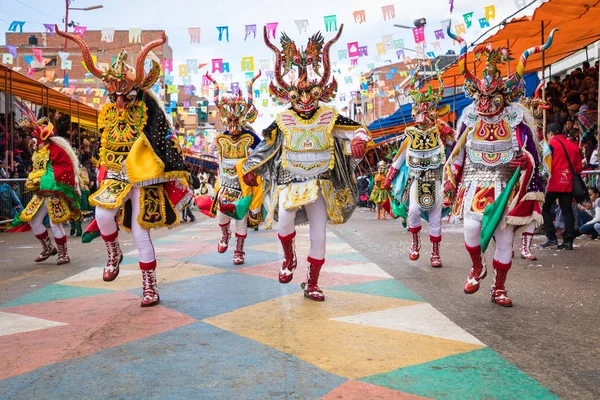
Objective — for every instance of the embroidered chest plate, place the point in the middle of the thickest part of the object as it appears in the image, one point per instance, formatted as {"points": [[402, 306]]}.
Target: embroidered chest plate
{"points": [[120, 130], [231, 150], [426, 150], [491, 144], [308, 144]]}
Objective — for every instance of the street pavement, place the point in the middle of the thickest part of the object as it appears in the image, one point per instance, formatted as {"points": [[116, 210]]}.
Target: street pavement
{"points": [[390, 328]]}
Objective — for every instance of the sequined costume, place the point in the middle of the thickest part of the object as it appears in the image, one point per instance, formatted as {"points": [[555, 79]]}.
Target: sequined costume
{"points": [[307, 157], [493, 165], [235, 199], [142, 172], [54, 181], [536, 105], [423, 154], [379, 194]]}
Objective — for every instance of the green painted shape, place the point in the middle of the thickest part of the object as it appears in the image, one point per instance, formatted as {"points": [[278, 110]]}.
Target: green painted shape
{"points": [[385, 288], [55, 292], [478, 374]]}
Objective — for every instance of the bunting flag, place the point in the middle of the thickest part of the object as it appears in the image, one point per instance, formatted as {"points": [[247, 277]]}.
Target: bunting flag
{"points": [[250, 30], [431, 54], [520, 3], [12, 49], [388, 41], [302, 25], [16, 24], [363, 51], [353, 49], [468, 17], [7, 58], [66, 80], [135, 35], [389, 12], [37, 53], [380, 47], [400, 54], [49, 29], [347, 79], [490, 12], [225, 67], [223, 30], [28, 59], [437, 46], [451, 2], [107, 35], [249, 76], [265, 65], [483, 23], [235, 87], [359, 16], [247, 63], [183, 70], [80, 30], [354, 62], [272, 29], [460, 29], [330, 23], [167, 65], [371, 66], [67, 64], [439, 34], [194, 35], [419, 34], [172, 89], [265, 103], [192, 66], [342, 54], [169, 79]]}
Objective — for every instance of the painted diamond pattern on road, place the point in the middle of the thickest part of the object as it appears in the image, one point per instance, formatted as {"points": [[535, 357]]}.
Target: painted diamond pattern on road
{"points": [[229, 331]]}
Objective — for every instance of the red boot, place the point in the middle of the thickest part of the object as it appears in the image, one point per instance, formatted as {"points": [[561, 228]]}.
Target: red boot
{"points": [[225, 236], [115, 256], [63, 257], [238, 254], [415, 245], [150, 296], [498, 291], [47, 249], [478, 271], [436, 260], [311, 289], [526, 240], [286, 273]]}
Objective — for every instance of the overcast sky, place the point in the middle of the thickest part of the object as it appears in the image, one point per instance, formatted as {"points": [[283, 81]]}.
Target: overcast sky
{"points": [[176, 16]]}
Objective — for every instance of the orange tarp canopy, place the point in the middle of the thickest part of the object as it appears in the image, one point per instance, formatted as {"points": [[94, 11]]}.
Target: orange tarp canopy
{"points": [[31, 90], [579, 24]]}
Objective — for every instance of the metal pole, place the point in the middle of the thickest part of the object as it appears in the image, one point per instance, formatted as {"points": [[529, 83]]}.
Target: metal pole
{"points": [[66, 31], [12, 124], [587, 57], [508, 63], [543, 77], [6, 71]]}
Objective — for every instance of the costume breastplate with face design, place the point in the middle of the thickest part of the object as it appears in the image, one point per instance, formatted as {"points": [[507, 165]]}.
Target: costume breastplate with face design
{"points": [[231, 151], [426, 150], [492, 141], [308, 148], [120, 130]]}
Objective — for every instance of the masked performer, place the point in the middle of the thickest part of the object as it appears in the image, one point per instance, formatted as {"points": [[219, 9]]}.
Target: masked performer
{"points": [[536, 105], [423, 153], [493, 165], [379, 194], [307, 157], [234, 145], [141, 163], [54, 182]]}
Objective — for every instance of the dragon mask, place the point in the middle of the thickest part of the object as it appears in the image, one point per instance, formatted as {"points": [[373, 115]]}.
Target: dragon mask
{"points": [[425, 109]]}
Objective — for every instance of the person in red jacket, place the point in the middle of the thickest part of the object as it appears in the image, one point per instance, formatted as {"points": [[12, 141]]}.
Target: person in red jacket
{"points": [[560, 186]]}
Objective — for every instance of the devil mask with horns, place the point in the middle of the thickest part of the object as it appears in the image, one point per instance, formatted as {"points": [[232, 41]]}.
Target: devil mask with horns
{"points": [[492, 92], [303, 93], [425, 109], [122, 81], [236, 112]]}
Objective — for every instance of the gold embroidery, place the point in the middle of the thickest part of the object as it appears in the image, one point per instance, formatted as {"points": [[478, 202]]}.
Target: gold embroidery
{"points": [[234, 148], [120, 129], [110, 194]]}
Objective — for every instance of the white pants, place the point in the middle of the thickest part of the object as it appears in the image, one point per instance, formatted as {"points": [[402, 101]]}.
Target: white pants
{"points": [[37, 223], [435, 214], [503, 239], [241, 226], [317, 219], [105, 217]]}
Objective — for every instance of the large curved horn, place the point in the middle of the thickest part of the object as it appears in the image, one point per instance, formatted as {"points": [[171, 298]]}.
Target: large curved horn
{"points": [[216, 92], [141, 57], [326, 63], [413, 80], [277, 73], [462, 60], [516, 77], [250, 85], [538, 90], [85, 52]]}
